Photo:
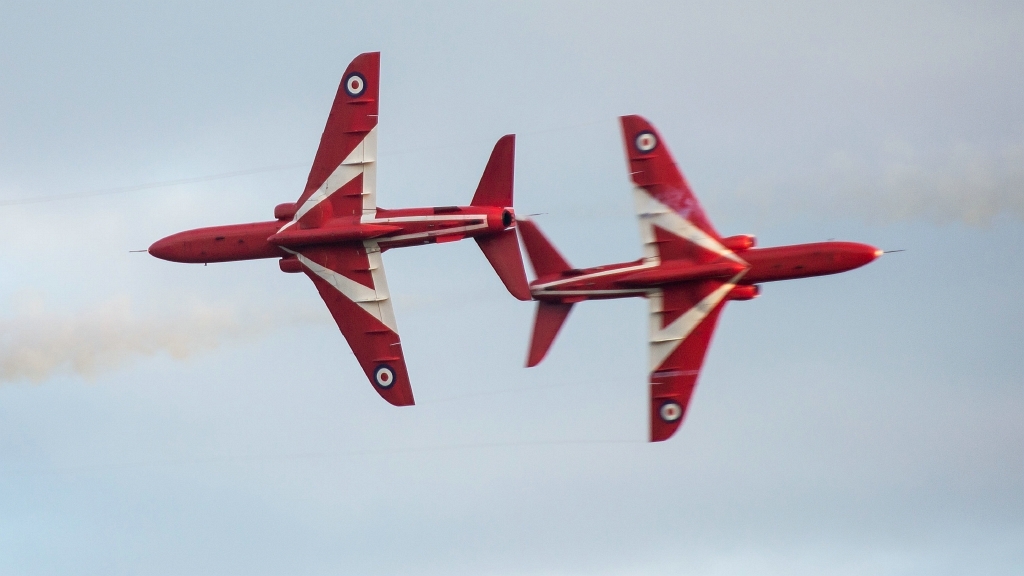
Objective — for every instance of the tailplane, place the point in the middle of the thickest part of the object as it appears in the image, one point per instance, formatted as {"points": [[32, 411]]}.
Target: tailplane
{"points": [[502, 251], [544, 257], [495, 190], [546, 262], [549, 320]]}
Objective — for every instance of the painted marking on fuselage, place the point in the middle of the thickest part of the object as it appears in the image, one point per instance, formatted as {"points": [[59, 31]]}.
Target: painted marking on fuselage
{"points": [[589, 275], [430, 233], [429, 219], [426, 218], [585, 292]]}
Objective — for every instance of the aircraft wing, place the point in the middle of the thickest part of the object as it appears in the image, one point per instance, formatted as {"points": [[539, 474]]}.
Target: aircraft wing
{"points": [[683, 316], [343, 179], [350, 278], [682, 320], [673, 225]]}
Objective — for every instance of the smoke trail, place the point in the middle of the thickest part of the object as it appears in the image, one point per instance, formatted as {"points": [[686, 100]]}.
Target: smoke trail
{"points": [[36, 343], [966, 185]]}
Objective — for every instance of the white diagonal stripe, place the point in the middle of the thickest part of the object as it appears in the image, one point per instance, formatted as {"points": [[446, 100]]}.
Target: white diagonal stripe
{"points": [[592, 275], [652, 212], [375, 301], [362, 160], [664, 341], [369, 148], [380, 285]]}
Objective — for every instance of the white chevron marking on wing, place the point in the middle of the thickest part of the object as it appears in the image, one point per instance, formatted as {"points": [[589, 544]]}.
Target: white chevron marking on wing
{"points": [[664, 341], [652, 212], [362, 160], [376, 301]]}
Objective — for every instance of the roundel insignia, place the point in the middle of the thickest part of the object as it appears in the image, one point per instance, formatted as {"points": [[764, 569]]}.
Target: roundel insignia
{"points": [[646, 141], [670, 411], [355, 84], [384, 376]]}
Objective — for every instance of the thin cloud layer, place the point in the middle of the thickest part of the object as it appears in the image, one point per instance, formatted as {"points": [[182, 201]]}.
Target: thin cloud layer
{"points": [[38, 343], [964, 186]]}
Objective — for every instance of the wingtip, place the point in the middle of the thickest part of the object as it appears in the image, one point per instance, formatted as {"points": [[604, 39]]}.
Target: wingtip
{"points": [[400, 400]]}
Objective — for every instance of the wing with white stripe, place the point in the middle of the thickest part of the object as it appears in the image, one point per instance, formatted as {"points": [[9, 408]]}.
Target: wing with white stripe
{"points": [[343, 178], [350, 279], [682, 320], [673, 225]]}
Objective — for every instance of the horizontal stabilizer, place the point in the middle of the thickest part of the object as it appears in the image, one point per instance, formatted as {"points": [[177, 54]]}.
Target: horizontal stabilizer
{"points": [[495, 188], [502, 251], [544, 257], [550, 317]]}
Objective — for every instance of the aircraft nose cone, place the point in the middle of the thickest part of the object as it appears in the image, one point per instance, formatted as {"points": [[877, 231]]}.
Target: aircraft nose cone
{"points": [[861, 254], [166, 249]]}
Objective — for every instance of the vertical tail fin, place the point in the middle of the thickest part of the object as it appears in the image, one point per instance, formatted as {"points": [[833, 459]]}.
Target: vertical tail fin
{"points": [[495, 190], [550, 317], [544, 257]]}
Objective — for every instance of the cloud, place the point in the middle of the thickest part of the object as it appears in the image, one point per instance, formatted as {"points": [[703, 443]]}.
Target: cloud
{"points": [[965, 185], [38, 343]]}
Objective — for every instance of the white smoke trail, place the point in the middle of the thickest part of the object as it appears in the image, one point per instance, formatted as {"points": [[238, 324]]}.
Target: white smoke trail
{"points": [[36, 343]]}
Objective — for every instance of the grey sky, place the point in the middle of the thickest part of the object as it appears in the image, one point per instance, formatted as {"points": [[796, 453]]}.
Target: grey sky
{"points": [[864, 423]]}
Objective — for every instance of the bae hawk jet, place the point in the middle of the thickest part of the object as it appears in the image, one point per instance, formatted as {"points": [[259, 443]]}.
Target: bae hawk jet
{"points": [[688, 272], [335, 233]]}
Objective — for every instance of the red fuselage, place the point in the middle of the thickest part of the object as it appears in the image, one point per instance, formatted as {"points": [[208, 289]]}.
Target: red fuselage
{"points": [[389, 228], [635, 278]]}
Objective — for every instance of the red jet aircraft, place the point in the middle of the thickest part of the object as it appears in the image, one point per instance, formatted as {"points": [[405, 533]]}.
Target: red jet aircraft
{"points": [[687, 274], [335, 232]]}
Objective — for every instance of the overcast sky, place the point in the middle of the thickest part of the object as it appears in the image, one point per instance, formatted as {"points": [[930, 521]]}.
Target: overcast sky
{"points": [[160, 418]]}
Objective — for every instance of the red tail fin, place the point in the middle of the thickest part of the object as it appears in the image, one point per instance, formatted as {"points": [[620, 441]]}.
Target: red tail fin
{"points": [[495, 188], [544, 257], [502, 251], [550, 317]]}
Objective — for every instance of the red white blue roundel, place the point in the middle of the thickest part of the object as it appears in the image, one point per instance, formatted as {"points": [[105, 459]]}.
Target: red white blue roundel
{"points": [[384, 376], [355, 84], [670, 411], [646, 141]]}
